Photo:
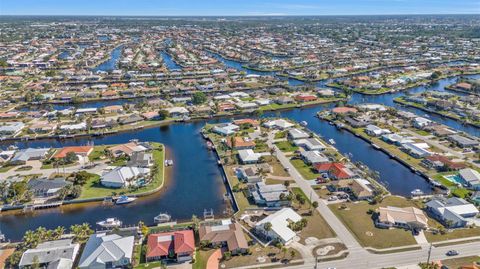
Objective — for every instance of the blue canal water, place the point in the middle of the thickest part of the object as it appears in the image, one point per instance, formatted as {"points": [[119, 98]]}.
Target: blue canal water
{"points": [[169, 62], [111, 63], [195, 184], [64, 55]]}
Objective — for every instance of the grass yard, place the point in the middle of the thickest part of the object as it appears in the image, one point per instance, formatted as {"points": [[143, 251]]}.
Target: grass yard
{"points": [[316, 227], [93, 188], [5, 168], [271, 254], [280, 135], [201, 258], [360, 223], [286, 146], [277, 167], [271, 181], [458, 262], [305, 170], [242, 200], [97, 153], [455, 234]]}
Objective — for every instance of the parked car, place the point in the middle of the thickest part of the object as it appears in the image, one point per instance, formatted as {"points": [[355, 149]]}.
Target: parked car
{"points": [[452, 253]]}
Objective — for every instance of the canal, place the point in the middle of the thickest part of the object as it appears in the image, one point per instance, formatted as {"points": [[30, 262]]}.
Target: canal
{"points": [[111, 63], [196, 182]]}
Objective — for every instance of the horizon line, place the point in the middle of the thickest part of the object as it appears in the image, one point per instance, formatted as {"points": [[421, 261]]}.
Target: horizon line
{"points": [[243, 15]]}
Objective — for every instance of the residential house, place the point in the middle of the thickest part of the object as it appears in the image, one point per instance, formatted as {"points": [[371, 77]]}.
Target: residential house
{"points": [[107, 251], [11, 128], [357, 188], [82, 151], [452, 212], [279, 221], [463, 142], [313, 157], [128, 149], [421, 123], [310, 144], [416, 150], [442, 163], [248, 175], [175, 112], [248, 156], [335, 170], [278, 124], [471, 178], [28, 154], [405, 218], [240, 143], [59, 254], [42, 127], [46, 187], [132, 118], [374, 130], [224, 233], [178, 246], [274, 195], [123, 176], [296, 133], [141, 159], [225, 129]]}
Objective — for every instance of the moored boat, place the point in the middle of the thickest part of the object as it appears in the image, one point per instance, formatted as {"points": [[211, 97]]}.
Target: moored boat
{"points": [[110, 223], [331, 141], [416, 192], [124, 200], [303, 123], [162, 218]]}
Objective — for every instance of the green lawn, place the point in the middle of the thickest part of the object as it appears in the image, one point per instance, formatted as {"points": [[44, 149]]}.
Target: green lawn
{"points": [[286, 146], [93, 188], [5, 169], [51, 165], [305, 170], [280, 135], [361, 224], [97, 153], [201, 258], [455, 234]]}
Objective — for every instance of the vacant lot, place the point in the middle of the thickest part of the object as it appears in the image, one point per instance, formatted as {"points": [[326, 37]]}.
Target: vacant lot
{"points": [[306, 171]]}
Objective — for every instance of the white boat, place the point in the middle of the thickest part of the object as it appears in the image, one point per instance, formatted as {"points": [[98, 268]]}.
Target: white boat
{"points": [[303, 123], [110, 223], [331, 141], [124, 200], [168, 162], [417, 192], [162, 218]]}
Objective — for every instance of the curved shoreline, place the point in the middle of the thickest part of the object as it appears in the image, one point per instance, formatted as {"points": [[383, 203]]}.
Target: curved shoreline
{"points": [[99, 200]]}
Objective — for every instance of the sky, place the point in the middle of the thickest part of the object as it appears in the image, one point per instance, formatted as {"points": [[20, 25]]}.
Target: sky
{"points": [[236, 7]]}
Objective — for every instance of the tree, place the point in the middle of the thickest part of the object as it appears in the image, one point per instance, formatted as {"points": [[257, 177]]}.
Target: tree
{"points": [[143, 228], [292, 254], [314, 204], [81, 231], [195, 223], [286, 183], [163, 114], [227, 255], [71, 157], [80, 178], [199, 98]]}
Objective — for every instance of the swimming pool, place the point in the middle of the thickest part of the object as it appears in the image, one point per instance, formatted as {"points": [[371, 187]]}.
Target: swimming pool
{"points": [[455, 179]]}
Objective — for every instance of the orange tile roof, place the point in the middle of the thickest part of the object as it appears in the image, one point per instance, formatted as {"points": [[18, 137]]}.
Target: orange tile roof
{"points": [[62, 153]]}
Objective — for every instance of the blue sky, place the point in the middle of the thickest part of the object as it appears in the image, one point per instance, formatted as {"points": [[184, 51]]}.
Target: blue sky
{"points": [[236, 7]]}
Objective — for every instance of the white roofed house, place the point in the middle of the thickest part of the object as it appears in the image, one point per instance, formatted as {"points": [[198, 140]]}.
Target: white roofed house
{"points": [[278, 124], [225, 129], [177, 111], [374, 130], [279, 221], [59, 254], [471, 178], [11, 128], [274, 195], [123, 176], [416, 150], [313, 157], [310, 144], [421, 123], [248, 156], [406, 218], [453, 212], [295, 133], [107, 251], [73, 128]]}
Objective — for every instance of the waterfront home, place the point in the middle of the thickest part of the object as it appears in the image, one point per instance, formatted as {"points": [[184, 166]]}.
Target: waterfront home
{"points": [[124, 176], [225, 129], [224, 233], [82, 151], [52, 254], [103, 123], [296, 133], [416, 150], [247, 122], [141, 159], [357, 188], [440, 130], [132, 118], [313, 157], [442, 163], [476, 198], [106, 251], [113, 109], [46, 187], [246, 105], [335, 170], [344, 110], [356, 123], [274, 195], [471, 178], [88, 110], [42, 127], [178, 111], [223, 107], [280, 222], [128, 149], [405, 218], [28, 154], [462, 141], [284, 100], [73, 128], [452, 212], [310, 144], [240, 143], [6, 155], [305, 98], [248, 175], [278, 124], [373, 130], [396, 139], [248, 156], [178, 246], [11, 128], [420, 122]]}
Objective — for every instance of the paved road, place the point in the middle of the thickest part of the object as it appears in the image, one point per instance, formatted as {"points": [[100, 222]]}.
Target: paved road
{"points": [[359, 257], [341, 231]]}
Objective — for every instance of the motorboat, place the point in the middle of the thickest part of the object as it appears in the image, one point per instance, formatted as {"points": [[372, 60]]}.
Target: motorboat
{"points": [[303, 123], [331, 141], [162, 218], [416, 192], [124, 200], [110, 223], [168, 162]]}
